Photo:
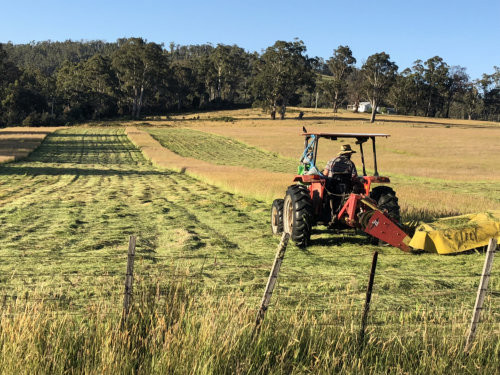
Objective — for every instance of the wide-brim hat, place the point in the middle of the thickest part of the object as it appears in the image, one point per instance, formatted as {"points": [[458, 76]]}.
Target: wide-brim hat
{"points": [[346, 149]]}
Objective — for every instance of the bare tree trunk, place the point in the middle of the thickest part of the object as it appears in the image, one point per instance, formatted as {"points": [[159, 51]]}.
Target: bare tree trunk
{"points": [[356, 106], [429, 106], [282, 111], [139, 107], [134, 103], [335, 102], [273, 111], [219, 83], [374, 111]]}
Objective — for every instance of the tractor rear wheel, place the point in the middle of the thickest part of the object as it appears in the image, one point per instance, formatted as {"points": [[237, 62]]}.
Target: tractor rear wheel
{"points": [[277, 216], [387, 201], [298, 214]]}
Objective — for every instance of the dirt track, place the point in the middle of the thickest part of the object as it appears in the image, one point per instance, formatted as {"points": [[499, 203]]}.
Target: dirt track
{"points": [[18, 143]]}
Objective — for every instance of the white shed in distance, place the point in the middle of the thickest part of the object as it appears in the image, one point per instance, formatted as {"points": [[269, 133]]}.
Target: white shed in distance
{"points": [[363, 107]]}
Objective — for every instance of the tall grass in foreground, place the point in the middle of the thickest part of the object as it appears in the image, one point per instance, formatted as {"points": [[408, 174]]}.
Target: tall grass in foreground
{"points": [[173, 329]]}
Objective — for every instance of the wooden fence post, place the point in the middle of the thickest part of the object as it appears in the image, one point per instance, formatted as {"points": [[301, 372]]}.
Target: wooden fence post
{"points": [[368, 299], [129, 277], [271, 282], [481, 292]]}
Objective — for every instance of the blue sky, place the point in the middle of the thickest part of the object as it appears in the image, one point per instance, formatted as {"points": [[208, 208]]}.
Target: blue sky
{"points": [[465, 33]]}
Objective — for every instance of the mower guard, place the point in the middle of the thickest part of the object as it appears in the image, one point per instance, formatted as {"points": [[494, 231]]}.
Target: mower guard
{"points": [[458, 233]]}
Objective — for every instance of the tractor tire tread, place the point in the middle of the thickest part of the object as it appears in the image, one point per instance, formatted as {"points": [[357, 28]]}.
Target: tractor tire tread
{"points": [[302, 215]]}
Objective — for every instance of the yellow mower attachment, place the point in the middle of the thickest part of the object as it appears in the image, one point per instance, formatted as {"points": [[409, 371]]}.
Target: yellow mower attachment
{"points": [[458, 233]]}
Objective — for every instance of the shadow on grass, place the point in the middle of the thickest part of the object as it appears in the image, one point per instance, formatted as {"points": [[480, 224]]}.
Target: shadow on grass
{"points": [[22, 132], [88, 135], [12, 170], [305, 118], [335, 238], [440, 124], [377, 120]]}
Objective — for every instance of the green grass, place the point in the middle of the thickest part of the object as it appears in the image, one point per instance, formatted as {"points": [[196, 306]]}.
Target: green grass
{"points": [[66, 214], [174, 330], [220, 150]]}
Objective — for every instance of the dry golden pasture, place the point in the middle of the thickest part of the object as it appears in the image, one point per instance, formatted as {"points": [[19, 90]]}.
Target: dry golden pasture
{"points": [[446, 166], [417, 146], [17, 143]]}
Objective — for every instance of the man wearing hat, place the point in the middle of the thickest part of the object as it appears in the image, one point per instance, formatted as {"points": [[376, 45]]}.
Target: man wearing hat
{"points": [[341, 179], [342, 166]]}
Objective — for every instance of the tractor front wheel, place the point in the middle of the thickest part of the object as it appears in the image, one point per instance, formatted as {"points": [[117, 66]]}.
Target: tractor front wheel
{"points": [[277, 216], [298, 214]]}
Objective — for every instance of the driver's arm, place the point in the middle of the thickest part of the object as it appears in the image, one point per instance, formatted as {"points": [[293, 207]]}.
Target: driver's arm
{"points": [[328, 168]]}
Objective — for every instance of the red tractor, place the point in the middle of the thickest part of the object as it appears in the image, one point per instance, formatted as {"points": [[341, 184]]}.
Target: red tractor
{"points": [[337, 202]]}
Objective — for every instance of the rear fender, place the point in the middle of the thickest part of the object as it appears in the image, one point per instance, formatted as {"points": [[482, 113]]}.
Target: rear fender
{"points": [[369, 180], [308, 178], [316, 189]]}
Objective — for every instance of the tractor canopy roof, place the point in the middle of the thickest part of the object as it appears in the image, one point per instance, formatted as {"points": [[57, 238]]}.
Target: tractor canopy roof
{"points": [[360, 137]]}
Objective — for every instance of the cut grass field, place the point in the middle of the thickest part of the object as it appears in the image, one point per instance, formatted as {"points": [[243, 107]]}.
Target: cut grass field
{"points": [[221, 150], [66, 213]]}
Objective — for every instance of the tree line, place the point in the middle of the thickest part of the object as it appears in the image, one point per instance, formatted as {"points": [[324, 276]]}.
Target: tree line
{"points": [[63, 82]]}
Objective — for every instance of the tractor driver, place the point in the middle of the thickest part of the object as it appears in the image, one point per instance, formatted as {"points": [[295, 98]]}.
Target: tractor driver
{"points": [[342, 178], [342, 166]]}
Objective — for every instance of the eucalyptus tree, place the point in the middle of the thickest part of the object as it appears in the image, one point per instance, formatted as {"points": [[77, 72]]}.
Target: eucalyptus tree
{"points": [[379, 73], [402, 93], [229, 66], [456, 86], [355, 82], [437, 81], [88, 89], [139, 66], [10, 90], [490, 87], [282, 69], [22, 100], [472, 102], [340, 66], [184, 86], [101, 84]]}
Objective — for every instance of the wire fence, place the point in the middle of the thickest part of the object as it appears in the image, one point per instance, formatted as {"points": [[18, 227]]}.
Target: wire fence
{"points": [[338, 298]]}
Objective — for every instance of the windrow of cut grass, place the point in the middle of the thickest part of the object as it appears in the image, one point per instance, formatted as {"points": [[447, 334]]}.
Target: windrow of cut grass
{"points": [[67, 211]]}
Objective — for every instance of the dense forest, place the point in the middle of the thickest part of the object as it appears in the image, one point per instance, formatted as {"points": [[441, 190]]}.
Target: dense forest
{"points": [[44, 83]]}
